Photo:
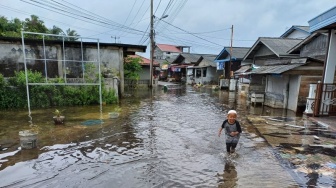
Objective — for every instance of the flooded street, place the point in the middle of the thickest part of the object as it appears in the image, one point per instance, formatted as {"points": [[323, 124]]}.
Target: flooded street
{"points": [[160, 139]]}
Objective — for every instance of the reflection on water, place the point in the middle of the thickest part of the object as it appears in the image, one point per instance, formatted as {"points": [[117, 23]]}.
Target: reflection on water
{"points": [[161, 139], [230, 175]]}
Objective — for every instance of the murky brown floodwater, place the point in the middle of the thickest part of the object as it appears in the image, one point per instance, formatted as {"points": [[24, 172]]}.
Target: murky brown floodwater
{"points": [[161, 139]]}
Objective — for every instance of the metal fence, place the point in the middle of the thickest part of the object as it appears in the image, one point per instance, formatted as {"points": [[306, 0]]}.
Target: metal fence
{"points": [[325, 101]]}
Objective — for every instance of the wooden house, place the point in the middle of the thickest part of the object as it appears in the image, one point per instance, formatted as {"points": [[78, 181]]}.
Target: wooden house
{"points": [[280, 76], [229, 55], [194, 68], [165, 54], [324, 104], [205, 72]]}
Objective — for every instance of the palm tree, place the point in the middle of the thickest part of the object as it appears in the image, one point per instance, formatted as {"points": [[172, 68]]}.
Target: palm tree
{"points": [[56, 31], [72, 35]]}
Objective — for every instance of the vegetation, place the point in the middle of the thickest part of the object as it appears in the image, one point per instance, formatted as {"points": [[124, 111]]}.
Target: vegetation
{"points": [[12, 28], [132, 68], [13, 93]]}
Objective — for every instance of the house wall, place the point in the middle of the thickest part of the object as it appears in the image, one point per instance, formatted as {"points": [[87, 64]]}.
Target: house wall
{"points": [[12, 58], [276, 88], [297, 35], [260, 61], [316, 48], [293, 93], [305, 86], [145, 72], [158, 54], [263, 51]]}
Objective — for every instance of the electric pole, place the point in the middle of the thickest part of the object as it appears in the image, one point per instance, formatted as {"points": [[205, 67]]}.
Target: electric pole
{"points": [[115, 38], [151, 45], [230, 51]]}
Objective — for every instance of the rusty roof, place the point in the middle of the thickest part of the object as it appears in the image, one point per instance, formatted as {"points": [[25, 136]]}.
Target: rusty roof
{"points": [[168, 48], [145, 61]]}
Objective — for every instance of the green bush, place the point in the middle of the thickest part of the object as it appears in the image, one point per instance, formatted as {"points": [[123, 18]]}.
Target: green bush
{"points": [[13, 93]]}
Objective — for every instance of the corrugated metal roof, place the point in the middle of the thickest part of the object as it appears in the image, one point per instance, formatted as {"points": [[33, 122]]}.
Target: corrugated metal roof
{"points": [[168, 48], [323, 20], [274, 69], [237, 53], [145, 61], [242, 69], [192, 58], [280, 46], [279, 69]]}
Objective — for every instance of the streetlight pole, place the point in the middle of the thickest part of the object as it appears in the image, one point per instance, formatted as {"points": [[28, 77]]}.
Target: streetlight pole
{"points": [[151, 45]]}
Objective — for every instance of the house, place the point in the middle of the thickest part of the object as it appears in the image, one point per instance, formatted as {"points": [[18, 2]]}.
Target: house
{"points": [[228, 61], [198, 68], [314, 46], [165, 54], [324, 104], [229, 55], [278, 75], [178, 68], [55, 58], [145, 72], [205, 72], [296, 32], [168, 51]]}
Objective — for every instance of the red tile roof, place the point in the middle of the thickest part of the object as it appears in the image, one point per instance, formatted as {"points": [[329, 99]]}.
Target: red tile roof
{"points": [[145, 61], [168, 48]]}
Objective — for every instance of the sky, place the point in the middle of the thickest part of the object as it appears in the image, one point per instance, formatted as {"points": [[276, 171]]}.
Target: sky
{"points": [[204, 25]]}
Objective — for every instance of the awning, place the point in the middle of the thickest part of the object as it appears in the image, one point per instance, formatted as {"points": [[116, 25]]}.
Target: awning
{"points": [[242, 69], [273, 69]]}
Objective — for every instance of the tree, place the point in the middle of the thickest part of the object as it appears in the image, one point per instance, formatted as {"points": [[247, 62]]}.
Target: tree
{"points": [[56, 31], [72, 33], [10, 28], [132, 68], [34, 24]]}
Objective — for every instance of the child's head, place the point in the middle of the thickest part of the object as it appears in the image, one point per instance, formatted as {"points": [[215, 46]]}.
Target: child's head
{"points": [[231, 116]]}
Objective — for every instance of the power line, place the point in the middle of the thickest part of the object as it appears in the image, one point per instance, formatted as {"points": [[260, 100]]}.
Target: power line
{"points": [[191, 33], [64, 10]]}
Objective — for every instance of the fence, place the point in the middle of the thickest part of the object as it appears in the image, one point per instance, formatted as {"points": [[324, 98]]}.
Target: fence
{"points": [[325, 101]]}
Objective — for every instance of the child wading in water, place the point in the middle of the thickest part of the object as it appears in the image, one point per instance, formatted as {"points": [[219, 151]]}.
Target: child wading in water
{"points": [[232, 131]]}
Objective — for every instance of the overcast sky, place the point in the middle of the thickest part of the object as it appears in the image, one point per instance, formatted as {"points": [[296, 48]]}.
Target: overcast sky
{"points": [[205, 25]]}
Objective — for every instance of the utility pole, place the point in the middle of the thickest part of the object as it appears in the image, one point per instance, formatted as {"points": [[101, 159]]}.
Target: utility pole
{"points": [[230, 51], [115, 38], [151, 45]]}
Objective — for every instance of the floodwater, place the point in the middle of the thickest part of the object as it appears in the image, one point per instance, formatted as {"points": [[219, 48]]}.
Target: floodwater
{"points": [[160, 139]]}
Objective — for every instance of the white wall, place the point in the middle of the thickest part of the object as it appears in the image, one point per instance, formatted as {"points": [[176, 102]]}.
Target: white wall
{"points": [[276, 84], [294, 86]]}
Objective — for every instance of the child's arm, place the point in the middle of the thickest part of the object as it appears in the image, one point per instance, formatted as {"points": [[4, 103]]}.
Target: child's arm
{"points": [[220, 131]]}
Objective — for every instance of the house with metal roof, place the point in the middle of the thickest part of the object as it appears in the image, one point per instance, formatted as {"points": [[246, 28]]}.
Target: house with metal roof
{"points": [[168, 51], [205, 72], [278, 75], [296, 32], [314, 46], [324, 104], [230, 59], [145, 72], [198, 68]]}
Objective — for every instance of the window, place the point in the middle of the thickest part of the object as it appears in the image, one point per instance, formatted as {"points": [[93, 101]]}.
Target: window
{"points": [[204, 72], [198, 73]]}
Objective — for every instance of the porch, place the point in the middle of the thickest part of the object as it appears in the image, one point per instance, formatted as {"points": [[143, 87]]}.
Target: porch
{"points": [[325, 121]]}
